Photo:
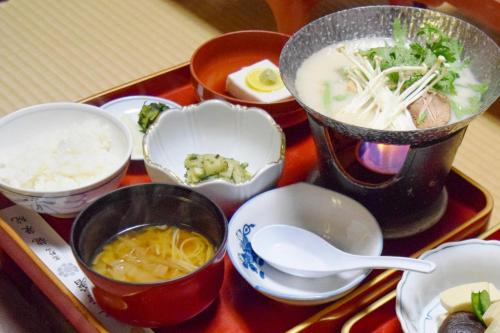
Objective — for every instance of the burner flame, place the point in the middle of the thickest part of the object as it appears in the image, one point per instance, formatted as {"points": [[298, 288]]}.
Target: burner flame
{"points": [[382, 158]]}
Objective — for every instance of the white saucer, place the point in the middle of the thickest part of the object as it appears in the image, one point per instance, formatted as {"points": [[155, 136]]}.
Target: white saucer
{"points": [[336, 217], [127, 110]]}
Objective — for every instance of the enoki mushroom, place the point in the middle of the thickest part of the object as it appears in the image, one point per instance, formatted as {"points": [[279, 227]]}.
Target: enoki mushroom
{"points": [[390, 107]]}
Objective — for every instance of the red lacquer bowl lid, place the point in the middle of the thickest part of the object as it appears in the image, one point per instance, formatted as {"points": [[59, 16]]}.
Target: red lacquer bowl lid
{"points": [[213, 61]]}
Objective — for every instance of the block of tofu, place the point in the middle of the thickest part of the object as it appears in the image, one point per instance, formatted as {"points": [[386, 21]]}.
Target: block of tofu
{"points": [[459, 298], [259, 82], [493, 312]]}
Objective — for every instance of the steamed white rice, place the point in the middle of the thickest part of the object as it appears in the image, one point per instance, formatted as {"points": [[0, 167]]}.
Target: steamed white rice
{"points": [[75, 156]]}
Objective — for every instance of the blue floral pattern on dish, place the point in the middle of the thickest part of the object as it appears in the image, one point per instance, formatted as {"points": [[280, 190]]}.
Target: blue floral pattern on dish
{"points": [[249, 259]]}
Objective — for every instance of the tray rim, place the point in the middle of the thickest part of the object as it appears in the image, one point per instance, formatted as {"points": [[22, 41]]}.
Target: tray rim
{"points": [[320, 315], [14, 237], [133, 82], [386, 275], [346, 328]]}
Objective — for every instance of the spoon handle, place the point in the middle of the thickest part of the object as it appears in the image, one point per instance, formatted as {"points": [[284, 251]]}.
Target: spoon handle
{"points": [[409, 264]]}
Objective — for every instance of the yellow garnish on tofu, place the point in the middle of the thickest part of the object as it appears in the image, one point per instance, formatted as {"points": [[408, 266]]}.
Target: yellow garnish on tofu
{"points": [[264, 79]]}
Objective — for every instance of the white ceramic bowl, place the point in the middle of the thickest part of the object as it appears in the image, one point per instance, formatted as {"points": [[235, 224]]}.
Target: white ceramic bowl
{"points": [[127, 110], [337, 218], [27, 125], [245, 134], [417, 305]]}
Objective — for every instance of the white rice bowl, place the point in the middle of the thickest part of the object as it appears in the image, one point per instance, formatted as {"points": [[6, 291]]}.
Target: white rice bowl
{"points": [[56, 158]]}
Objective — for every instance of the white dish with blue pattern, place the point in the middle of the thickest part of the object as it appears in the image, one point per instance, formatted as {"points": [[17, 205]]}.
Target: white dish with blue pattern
{"points": [[337, 218], [417, 304]]}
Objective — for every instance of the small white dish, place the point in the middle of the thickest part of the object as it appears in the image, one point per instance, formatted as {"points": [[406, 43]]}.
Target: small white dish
{"points": [[337, 218], [127, 110], [417, 300], [216, 127]]}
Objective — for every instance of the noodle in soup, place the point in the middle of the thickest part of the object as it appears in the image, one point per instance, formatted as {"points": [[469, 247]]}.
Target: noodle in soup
{"points": [[152, 254]]}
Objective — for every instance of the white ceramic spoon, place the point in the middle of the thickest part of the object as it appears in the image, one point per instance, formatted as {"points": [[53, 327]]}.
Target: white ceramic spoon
{"points": [[299, 252]]}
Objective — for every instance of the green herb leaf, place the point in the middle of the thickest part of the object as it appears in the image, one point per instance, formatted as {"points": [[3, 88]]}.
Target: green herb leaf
{"points": [[148, 114], [455, 47], [480, 302], [480, 87], [418, 51], [392, 56], [440, 44], [429, 31], [343, 72], [435, 44], [431, 44], [421, 117], [447, 83], [394, 77], [456, 109], [414, 78], [399, 32], [340, 98], [327, 94], [474, 104], [461, 110]]}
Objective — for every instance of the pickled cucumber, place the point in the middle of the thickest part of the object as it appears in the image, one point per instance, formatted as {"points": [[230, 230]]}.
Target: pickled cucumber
{"points": [[214, 166]]}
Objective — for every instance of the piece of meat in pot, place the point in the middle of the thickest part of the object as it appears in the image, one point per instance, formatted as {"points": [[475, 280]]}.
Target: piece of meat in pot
{"points": [[430, 110]]}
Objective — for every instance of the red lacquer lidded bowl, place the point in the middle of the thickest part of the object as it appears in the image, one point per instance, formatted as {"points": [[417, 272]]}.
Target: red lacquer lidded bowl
{"points": [[160, 303], [214, 60]]}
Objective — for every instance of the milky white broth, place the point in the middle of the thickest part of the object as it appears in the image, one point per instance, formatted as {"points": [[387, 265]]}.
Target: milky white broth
{"points": [[325, 66]]}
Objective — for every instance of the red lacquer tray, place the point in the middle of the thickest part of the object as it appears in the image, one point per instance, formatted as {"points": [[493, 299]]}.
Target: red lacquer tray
{"points": [[239, 307], [380, 317]]}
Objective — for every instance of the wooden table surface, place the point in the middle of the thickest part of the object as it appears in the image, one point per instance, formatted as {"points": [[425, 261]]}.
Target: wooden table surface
{"points": [[67, 50]]}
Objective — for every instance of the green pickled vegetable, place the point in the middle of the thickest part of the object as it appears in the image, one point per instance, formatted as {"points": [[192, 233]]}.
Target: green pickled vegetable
{"points": [[214, 166], [148, 114]]}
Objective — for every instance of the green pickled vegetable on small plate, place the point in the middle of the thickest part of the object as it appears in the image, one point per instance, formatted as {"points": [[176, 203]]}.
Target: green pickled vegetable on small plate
{"points": [[204, 167], [148, 114]]}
